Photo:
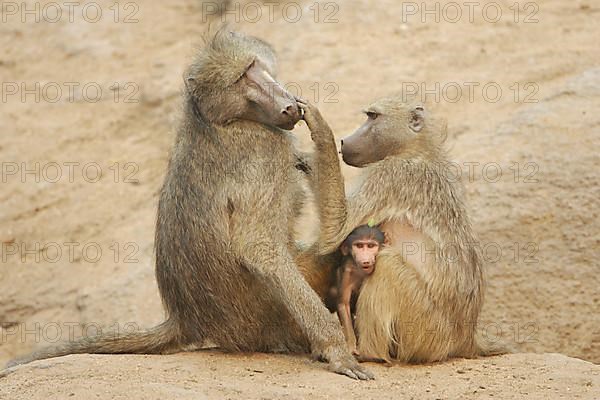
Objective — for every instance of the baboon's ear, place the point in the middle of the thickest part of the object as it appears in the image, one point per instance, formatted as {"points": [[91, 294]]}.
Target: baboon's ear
{"points": [[344, 249], [416, 118]]}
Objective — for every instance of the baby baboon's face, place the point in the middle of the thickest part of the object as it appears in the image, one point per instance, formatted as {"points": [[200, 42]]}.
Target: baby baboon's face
{"points": [[364, 252], [363, 244], [390, 126]]}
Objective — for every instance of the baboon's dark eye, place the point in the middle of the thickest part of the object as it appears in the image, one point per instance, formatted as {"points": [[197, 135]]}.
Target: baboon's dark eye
{"points": [[372, 115]]}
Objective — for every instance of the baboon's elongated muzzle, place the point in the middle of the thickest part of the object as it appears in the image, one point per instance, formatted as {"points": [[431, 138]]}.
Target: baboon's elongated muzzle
{"points": [[356, 149], [278, 106]]}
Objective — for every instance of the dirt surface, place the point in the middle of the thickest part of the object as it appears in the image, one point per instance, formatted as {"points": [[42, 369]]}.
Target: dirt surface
{"points": [[77, 246], [207, 375]]}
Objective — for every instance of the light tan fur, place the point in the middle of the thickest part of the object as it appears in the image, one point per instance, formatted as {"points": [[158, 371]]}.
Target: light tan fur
{"points": [[411, 309]]}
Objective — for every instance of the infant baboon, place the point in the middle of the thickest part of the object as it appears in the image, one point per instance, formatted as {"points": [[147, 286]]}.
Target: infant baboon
{"points": [[423, 300], [224, 257], [359, 251]]}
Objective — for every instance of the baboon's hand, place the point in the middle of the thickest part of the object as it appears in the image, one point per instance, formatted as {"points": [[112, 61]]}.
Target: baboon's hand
{"points": [[351, 368], [320, 132], [342, 362]]}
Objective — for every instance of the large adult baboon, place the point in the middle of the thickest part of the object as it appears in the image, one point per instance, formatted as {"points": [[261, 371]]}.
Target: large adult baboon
{"points": [[423, 300], [224, 250]]}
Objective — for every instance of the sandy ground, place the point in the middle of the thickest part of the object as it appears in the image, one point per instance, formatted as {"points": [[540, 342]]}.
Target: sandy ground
{"points": [[81, 172], [216, 376]]}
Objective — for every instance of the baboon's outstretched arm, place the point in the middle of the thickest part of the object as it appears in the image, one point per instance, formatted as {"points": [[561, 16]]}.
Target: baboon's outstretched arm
{"points": [[310, 162], [338, 217], [326, 179]]}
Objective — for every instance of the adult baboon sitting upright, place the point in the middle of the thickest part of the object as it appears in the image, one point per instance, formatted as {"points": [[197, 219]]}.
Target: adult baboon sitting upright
{"points": [[423, 300], [224, 250]]}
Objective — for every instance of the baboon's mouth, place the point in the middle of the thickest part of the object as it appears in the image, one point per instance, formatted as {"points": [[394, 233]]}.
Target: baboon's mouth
{"points": [[288, 126], [353, 159], [349, 159]]}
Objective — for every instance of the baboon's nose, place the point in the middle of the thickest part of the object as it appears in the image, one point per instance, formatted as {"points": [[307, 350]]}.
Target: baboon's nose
{"points": [[342, 142], [291, 111]]}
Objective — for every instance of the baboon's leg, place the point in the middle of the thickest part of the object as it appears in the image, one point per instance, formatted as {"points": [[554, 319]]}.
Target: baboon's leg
{"points": [[343, 311], [317, 270], [319, 325]]}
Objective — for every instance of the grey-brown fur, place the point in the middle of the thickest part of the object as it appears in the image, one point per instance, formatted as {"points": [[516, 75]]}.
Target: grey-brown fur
{"points": [[224, 250]]}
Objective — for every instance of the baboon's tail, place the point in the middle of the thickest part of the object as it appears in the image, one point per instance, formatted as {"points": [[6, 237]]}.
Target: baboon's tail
{"points": [[488, 347], [163, 338]]}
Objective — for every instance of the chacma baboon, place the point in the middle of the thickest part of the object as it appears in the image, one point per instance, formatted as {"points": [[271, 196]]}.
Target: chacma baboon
{"points": [[224, 250], [423, 300], [359, 251]]}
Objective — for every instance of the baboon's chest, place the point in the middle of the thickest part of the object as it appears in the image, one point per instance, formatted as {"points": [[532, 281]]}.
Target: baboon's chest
{"points": [[273, 172], [415, 247], [266, 181]]}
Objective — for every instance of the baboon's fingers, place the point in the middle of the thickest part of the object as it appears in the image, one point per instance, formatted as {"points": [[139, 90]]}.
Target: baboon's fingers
{"points": [[303, 107], [319, 129], [300, 100], [352, 370], [304, 111], [306, 106], [348, 372], [364, 374]]}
